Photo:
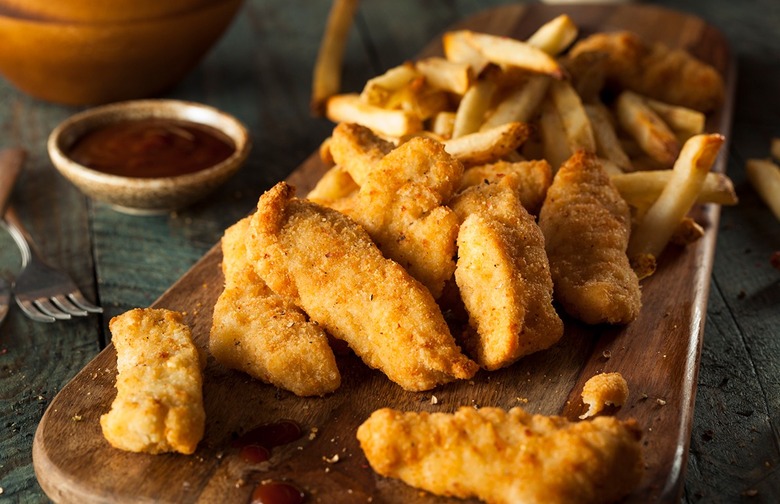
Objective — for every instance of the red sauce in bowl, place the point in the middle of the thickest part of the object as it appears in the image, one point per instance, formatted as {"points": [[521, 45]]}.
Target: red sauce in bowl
{"points": [[150, 148]]}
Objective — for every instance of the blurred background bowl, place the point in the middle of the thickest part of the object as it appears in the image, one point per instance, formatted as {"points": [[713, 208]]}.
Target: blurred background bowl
{"points": [[147, 196], [77, 63], [100, 11]]}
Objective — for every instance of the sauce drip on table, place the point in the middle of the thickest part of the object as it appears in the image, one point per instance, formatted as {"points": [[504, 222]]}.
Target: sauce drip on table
{"points": [[255, 447], [148, 148], [276, 492]]}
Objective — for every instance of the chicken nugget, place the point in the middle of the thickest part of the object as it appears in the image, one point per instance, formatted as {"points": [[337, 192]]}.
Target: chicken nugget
{"points": [[357, 150], [159, 402], [529, 179], [330, 267], [401, 205], [655, 70], [505, 457], [504, 278], [264, 334], [586, 226]]}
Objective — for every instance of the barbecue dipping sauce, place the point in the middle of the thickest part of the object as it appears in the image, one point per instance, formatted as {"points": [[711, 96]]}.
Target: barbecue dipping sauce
{"points": [[147, 148]]}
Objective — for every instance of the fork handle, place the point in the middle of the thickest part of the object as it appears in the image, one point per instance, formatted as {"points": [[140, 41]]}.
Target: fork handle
{"points": [[11, 163]]}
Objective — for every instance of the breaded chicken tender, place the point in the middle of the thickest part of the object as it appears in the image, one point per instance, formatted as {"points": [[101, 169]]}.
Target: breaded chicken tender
{"points": [[602, 390], [329, 266], [655, 70], [505, 457], [159, 402], [264, 334], [504, 278], [586, 226], [401, 205], [529, 179], [357, 150]]}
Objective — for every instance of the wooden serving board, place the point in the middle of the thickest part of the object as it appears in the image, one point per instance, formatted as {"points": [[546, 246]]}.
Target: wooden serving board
{"points": [[658, 354]]}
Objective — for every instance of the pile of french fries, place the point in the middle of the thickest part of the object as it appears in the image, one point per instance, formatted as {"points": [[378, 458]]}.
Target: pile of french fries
{"points": [[492, 98]]}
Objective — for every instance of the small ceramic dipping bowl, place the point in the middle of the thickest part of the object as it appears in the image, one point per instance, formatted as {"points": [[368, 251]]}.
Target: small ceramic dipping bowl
{"points": [[148, 157]]}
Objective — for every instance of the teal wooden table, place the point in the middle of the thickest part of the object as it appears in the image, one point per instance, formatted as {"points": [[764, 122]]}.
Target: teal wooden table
{"points": [[260, 72]]}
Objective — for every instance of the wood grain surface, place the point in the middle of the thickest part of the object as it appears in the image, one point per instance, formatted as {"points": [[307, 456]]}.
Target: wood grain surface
{"points": [[658, 354]]}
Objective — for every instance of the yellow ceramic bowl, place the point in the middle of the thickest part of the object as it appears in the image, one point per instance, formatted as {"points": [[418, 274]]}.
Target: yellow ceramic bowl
{"points": [[87, 64], [99, 11], [146, 196]]}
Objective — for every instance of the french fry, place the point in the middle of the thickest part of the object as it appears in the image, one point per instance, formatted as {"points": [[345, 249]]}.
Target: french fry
{"points": [[418, 99], [335, 184], [472, 108], [775, 149], [687, 232], [326, 79], [683, 121], [326, 156], [506, 51], [647, 128], [488, 146], [554, 143], [446, 75], [443, 124], [607, 143], [458, 50], [646, 186], [576, 125], [764, 176], [520, 104], [610, 167], [554, 36], [378, 90], [678, 196], [588, 73], [349, 108]]}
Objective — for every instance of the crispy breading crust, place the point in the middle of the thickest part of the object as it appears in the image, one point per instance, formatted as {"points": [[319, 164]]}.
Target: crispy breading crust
{"points": [[401, 205], [586, 226], [264, 334], [159, 402], [669, 75], [330, 267], [529, 179], [357, 150], [602, 390], [504, 277], [505, 457]]}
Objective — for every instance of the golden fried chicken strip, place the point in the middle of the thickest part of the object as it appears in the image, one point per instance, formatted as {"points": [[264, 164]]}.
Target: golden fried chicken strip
{"points": [[264, 334], [334, 185], [529, 179], [357, 150], [504, 277], [586, 225], [401, 205], [655, 70], [505, 457], [159, 402], [328, 264]]}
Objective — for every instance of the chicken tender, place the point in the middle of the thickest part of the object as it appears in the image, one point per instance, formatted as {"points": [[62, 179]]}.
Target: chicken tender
{"points": [[334, 185], [504, 278], [264, 334], [655, 70], [401, 205], [505, 457], [529, 179], [357, 150], [159, 402], [329, 266], [586, 226], [602, 390]]}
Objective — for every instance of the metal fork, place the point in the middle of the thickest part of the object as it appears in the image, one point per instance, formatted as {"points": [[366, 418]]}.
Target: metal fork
{"points": [[43, 293]]}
